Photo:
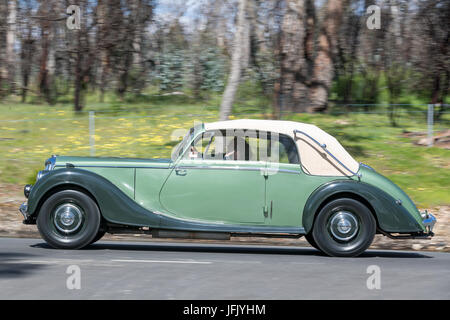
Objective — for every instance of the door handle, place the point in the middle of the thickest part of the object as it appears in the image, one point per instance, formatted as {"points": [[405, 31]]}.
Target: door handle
{"points": [[180, 172], [271, 208]]}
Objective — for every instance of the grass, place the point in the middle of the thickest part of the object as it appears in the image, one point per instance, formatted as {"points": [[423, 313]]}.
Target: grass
{"points": [[146, 127]]}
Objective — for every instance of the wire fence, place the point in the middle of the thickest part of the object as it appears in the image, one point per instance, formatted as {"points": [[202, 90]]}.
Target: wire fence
{"points": [[32, 137]]}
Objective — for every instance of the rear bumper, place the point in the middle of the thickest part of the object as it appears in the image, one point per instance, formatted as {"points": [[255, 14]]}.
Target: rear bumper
{"points": [[428, 221]]}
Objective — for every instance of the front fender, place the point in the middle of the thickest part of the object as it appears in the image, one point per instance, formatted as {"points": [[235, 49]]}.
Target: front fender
{"points": [[114, 204], [391, 216]]}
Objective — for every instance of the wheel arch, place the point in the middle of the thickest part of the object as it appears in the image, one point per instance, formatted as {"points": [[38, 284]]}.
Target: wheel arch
{"points": [[63, 187], [389, 215], [115, 206], [342, 195]]}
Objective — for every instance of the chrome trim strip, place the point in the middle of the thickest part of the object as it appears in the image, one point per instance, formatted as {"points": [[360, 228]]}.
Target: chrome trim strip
{"points": [[238, 168], [129, 167], [324, 147]]}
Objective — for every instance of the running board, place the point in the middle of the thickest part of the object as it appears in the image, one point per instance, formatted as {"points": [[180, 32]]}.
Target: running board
{"points": [[158, 233], [182, 234]]}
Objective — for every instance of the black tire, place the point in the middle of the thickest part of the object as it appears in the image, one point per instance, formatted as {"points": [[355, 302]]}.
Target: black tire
{"points": [[344, 228], [69, 219], [311, 240], [99, 235]]}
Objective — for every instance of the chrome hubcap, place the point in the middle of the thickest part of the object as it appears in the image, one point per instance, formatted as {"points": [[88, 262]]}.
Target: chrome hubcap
{"points": [[343, 225], [68, 218]]}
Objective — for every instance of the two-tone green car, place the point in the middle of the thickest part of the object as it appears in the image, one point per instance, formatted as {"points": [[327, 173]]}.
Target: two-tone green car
{"points": [[230, 178]]}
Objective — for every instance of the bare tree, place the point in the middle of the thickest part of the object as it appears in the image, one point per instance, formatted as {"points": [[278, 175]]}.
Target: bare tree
{"points": [[27, 47], [10, 43], [237, 57], [3, 57], [323, 64], [293, 75]]}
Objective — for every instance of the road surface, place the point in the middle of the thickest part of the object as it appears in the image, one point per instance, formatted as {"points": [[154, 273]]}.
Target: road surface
{"points": [[29, 269]]}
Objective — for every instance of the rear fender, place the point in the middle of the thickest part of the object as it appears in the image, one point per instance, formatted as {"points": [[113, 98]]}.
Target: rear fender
{"points": [[391, 216]]}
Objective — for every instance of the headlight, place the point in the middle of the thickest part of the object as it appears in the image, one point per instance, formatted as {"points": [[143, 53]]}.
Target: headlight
{"points": [[50, 163], [27, 190]]}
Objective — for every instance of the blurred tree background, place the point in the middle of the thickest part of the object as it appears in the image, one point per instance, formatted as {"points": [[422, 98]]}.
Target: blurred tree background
{"points": [[298, 55]]}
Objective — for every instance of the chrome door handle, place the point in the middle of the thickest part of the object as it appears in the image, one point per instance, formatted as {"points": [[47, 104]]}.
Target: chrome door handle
{"points": [[180, 172], [271, 208]]}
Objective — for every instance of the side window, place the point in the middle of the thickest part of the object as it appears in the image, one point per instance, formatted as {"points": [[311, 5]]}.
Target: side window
{"points": [[287, 150], [243, 146]]}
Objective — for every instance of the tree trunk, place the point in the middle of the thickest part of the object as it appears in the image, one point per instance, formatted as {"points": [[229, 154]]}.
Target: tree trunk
{"points": [[44, 72], [323, 64], [101, 43], [236, 63], [10, 40], [3, 30], [293, 87], [25, 57]]}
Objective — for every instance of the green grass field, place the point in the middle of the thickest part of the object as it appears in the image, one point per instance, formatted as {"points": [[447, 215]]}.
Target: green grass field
{"points": [[30, 133]]}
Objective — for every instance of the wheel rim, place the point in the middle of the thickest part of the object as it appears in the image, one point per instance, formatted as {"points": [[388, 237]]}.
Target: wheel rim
{"points": [[68, 218], [343, 226]]}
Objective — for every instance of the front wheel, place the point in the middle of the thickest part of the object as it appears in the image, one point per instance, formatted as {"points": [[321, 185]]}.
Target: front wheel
{"points": [[344, 228], [69, 219]]}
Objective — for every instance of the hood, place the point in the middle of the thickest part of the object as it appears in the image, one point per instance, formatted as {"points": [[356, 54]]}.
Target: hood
{"points": [[63, 161]]}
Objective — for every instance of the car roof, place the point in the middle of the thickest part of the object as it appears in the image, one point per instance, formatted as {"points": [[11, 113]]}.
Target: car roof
{"points": [[313, 158], [280, 126]]}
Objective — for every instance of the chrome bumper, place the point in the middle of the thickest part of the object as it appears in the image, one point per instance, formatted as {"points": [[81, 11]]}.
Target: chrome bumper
{"points": [[24, 210], [428, 221]]}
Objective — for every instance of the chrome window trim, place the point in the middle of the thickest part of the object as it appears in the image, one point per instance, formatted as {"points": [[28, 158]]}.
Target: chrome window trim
{"points": [[324, 147]]}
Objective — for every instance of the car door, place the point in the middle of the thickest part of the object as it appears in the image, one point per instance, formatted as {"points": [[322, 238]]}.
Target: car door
{"points": [[208, 187], [288, 187]]}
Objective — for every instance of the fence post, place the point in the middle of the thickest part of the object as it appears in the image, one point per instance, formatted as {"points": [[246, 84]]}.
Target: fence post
{"points": [[92, 132], [430, 124]]}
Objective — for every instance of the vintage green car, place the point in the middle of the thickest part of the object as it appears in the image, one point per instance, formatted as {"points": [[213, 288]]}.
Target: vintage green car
{"points": [[229, 178]]}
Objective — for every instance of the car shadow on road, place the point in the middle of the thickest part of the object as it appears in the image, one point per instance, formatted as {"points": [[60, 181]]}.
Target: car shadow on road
{"points": [[219, 248], [12, 265]]}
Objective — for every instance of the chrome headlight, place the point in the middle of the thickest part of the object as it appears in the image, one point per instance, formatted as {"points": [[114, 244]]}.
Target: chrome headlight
{"points": [[50, 163], [27, 190]]}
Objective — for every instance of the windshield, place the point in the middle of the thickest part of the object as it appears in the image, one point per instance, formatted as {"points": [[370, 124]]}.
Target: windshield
{"points": [[180, 147]]}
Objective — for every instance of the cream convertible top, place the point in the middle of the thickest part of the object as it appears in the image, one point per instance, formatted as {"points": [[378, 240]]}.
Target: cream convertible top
{"points": [[314, 159]]}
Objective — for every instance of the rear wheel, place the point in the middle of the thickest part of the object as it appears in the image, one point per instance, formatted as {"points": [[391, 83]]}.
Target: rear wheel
{"points": [[69, 219], [344, 228], [311, 240]]}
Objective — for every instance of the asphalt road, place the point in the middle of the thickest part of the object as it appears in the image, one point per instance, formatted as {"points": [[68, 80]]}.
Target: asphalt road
{"points": [[29, 269]]}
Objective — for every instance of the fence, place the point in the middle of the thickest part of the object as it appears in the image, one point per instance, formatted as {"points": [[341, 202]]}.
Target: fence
{"points": [[27, 139]]}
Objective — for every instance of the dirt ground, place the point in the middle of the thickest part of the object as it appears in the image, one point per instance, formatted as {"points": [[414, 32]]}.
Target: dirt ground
{"points": [[11, 196]]}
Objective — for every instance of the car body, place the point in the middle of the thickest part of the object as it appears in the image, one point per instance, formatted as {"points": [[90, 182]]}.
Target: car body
{"points": [[228, 178]]}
